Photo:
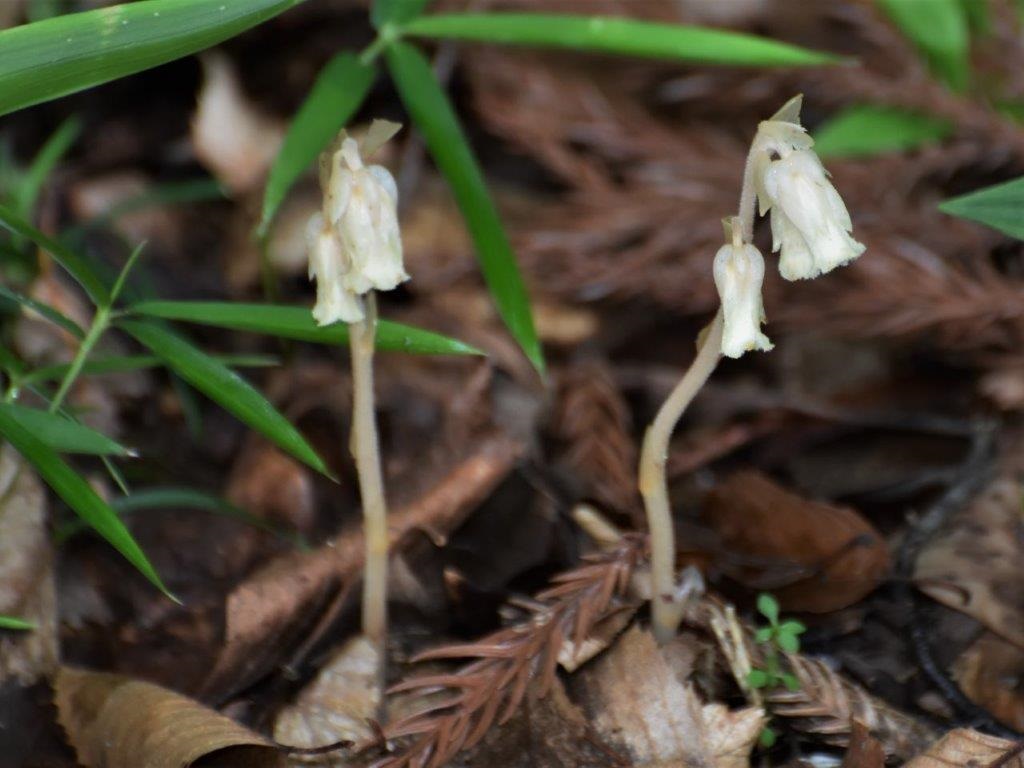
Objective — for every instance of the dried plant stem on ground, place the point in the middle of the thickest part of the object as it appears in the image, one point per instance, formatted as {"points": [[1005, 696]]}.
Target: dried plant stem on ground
{"points": [[490, 688], [366, 452], [666, 611]]}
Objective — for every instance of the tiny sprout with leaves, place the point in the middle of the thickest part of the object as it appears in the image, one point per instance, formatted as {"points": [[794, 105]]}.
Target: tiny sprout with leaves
{"points": [[777, 636]]}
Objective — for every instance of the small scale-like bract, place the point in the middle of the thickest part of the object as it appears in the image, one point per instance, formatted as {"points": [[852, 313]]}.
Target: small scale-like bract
{"points": [[810, 224], [354, 244], [739, 273]]}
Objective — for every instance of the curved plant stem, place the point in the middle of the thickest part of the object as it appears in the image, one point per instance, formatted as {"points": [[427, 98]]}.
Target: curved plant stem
{"points": [[748, 195], [666, 610], [366, 452]]}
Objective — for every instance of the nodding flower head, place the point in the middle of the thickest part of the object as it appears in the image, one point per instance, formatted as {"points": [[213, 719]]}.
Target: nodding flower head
{"points": [[810, 224], [354, 244], [739, 273]]}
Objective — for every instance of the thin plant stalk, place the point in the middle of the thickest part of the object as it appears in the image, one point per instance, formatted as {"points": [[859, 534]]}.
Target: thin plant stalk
{"points": [[666, 610], [100, 323], [366, 452]]}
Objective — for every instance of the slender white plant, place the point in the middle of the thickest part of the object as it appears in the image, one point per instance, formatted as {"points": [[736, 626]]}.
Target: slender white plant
{"points": [[355, 248], [811, 230]]}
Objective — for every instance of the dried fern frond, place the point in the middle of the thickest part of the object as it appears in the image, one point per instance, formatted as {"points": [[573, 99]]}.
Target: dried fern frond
{"points": [[489, 689], [826, 704]]}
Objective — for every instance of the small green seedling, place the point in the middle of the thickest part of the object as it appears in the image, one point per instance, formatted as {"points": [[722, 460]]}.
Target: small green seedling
{"points": [[775, 637]]}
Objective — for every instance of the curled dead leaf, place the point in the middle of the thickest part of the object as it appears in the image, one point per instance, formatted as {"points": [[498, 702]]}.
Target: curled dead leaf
{"points": [[991, 673], [815, 557], [114, 721], [973, 565], [26, 573], [967, 748]]}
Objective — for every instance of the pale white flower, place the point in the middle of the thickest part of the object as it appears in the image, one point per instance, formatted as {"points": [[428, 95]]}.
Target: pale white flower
{"points": [[355, 244], [739, 273], [810, 224]]}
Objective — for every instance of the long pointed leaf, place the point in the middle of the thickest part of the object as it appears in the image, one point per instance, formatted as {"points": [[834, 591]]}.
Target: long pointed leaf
{"points": [[939, 30], [618, 36], [223, 386], [297, 323], [338, 92], [45, 310], [51, 58], [75, 265], [1000, 207], [50, 154], [100, 366], [865, 130], [63, 435], [433, 114], [395, 11], [13, 622], [78, 495]]}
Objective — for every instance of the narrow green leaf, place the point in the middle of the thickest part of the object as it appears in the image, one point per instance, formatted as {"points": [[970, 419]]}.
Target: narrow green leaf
{"points": [[78, 495], [433, 114], [938, 28], [13, 622], [123, 363], [223, 386], [867, 130], [978, 15], [75, 265], [395, 11], [45, 160], [1000, 207], [45, 310], [768, 607], [182, 498], [297, 323], [339, 90], [51, 58], [63, 435], [757, 678], [628, 37]]}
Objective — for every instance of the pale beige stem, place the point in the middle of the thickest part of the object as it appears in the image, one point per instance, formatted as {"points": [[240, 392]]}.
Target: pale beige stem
{"points": [[666, 607], [748, 194], [366, 452]]}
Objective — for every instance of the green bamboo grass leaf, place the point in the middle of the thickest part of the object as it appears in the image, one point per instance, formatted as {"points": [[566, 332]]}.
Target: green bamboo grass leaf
{"points": [[124, 363], [47, 157], [55, 57], [223, 386], [1000, 207], [395, 11], [75, 265], [865, 130], [628, 37], [45, 310], [297, 323], [338, 92], [13, 622], [182, 498], [78, 495], [63, 435], [938, 28], [430, 109]]}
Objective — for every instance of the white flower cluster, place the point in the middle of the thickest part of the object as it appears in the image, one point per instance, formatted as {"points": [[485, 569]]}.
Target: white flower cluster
{"points": [[354, 243], [810, 226]]}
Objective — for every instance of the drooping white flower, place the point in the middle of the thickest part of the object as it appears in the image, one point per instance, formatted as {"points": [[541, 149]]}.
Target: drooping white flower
{"points": [[810, 224], [355, 243], [739, 273]]}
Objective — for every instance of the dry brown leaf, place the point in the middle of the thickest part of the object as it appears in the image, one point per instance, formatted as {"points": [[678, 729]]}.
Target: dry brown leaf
{"points": [[964, 748], [973, 565], [832, 556], [638, 702], [865, 751], [991, 673], [272, 486], [114, 721], [338, 704], [232, 137], [27, 588]]}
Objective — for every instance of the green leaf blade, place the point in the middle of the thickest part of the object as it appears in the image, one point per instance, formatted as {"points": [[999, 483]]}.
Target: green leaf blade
{"points": [[1000, 207], [13, 622], [79, 495], [395, 11], [63, 435], [58, 56], [224, 387], [768, 607], [621, 36], [865, 130], [433, 114], [297, 323], [74, 264], [338, 92], [45, 310], [48, 157], [939, 30]]}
